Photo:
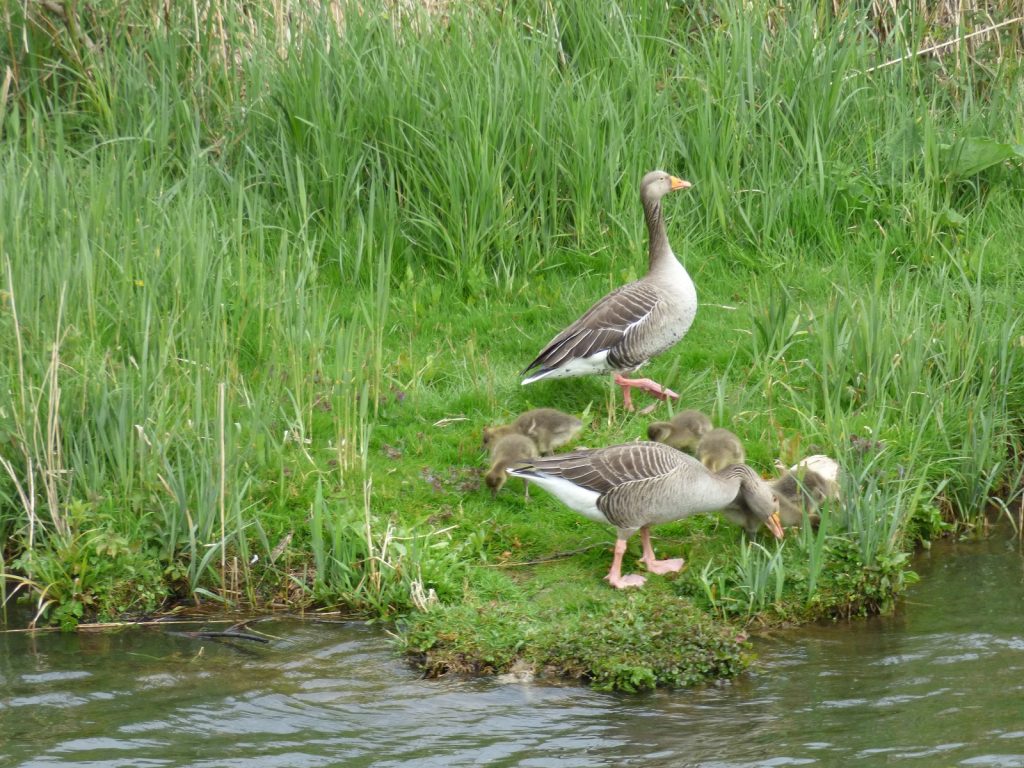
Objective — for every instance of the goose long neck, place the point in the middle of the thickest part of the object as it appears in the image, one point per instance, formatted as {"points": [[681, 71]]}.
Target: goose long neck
{"points": [[735, 477], [658, 248]]}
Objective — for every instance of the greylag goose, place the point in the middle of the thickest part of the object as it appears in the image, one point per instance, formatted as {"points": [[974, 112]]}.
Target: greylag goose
{"points": [[505, 451], [637, 485], [635, 322], [719, 448], [796, 495], [549, 428], [683, 431]]}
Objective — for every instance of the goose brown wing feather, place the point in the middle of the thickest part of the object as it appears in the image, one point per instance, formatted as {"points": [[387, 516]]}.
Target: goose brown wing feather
{"points": [[582, 342], [606, 324], [604, 469]]}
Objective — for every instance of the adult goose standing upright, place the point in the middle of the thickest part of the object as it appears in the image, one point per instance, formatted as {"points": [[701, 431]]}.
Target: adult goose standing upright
{"points": [[637, 485], [635, 322]]}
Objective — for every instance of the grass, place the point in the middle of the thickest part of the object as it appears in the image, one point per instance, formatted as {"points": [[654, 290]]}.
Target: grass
{"points": [[266, 276]]}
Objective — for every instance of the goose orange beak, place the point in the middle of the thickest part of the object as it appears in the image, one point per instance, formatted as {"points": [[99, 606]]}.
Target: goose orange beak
{"points": [[680, 184], [775, 525]]}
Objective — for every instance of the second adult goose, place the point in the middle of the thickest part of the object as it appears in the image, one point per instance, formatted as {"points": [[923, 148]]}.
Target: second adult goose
{"points": [[637, 485], [633, 323]]}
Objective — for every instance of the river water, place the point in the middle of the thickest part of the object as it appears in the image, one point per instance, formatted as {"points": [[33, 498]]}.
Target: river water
{"points": [[941, 683]]}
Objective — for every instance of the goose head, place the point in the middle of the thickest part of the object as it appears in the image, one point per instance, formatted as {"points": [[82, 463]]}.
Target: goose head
{"points": [[759, 497], [495, 479], [656, 184], [492, 434], [659, 431]]}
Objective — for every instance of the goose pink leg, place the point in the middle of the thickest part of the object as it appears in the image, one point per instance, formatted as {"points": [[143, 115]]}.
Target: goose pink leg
{"points": [[647, 385], [615, 577], [653, 564]]}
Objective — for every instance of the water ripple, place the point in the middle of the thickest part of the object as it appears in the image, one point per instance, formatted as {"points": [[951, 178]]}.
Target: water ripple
{"points": [[936, 685]]}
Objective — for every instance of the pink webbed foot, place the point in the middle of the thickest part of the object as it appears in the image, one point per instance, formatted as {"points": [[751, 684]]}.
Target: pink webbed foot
{"points": [[664, 566], [615, 577], [647, 385], [652, 563], [627, 398], [623, 582]]}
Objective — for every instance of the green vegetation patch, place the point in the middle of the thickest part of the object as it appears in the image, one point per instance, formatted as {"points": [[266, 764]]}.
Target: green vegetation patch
{"points": [[629, 641]]}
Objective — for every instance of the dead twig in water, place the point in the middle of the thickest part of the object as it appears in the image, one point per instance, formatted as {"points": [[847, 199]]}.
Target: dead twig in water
{"points": [[228, 634], [118, 625], [109, 625]]}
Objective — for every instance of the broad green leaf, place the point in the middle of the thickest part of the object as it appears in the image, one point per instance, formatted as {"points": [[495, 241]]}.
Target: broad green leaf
{"points": [[973, 154], [950, 218]]}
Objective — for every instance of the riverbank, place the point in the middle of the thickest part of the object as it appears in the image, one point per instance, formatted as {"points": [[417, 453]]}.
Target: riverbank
{"points": [[259, 318], [329, 691]]}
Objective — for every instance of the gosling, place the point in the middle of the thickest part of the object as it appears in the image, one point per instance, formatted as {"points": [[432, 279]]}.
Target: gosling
{"points": [[549, 428], [825, 467], [796, 495], [506, 451], [720, 448], [683, 432]]}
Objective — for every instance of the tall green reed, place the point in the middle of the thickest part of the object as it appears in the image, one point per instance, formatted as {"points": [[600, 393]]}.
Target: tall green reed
{"points": [[754, 582], [195, 327], [925, 367], [813, 543]]}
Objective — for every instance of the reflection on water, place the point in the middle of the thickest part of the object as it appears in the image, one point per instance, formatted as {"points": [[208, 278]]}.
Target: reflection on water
{"points": [[941, 683]]}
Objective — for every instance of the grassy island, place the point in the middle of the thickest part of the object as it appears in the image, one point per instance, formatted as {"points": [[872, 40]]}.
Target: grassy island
{"points": [[267, 271]]}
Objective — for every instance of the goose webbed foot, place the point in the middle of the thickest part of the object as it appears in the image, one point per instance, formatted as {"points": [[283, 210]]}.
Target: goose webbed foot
{"points": [[615, 577], [647, 385], [629, 580], [652, 563], [673, 565]]}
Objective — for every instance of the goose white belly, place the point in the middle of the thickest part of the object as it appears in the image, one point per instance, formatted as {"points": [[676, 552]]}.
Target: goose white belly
{"points": [[577, 366], [578, 499]]}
